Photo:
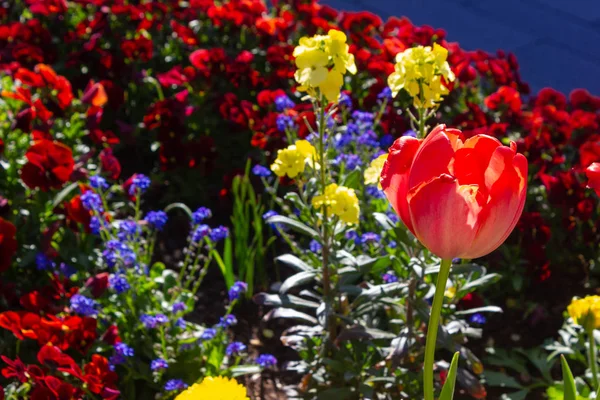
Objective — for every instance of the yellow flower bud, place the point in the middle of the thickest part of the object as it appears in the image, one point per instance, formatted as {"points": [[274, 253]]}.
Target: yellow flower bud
{"points": [[585, 312]]}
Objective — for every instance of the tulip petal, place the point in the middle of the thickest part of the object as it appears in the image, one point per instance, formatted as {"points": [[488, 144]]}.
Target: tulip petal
{"points": [[593, 174], [434, 156], [445, 215], [472, 160], [506, 181], [394, 175]]}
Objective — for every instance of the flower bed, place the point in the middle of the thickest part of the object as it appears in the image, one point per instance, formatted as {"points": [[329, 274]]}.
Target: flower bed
{"points": [[116, 115]]}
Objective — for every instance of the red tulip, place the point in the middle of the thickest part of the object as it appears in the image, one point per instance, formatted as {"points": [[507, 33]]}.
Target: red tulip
{"points": [[593, 174], [460, 198]]}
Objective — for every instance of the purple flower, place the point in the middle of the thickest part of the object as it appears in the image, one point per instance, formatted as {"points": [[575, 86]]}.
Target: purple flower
{"points": [[389, 277], [283, 102], [157, 364], [201, 214], [123, 350], [351, 235], [128, 230], [369, 138], [91, 201], [219, 233], [236, 290], [179, 307], [392, 244], [208, 334], [95, 225], [345, 101], [180, 323], [343, 140], [370, 237], [157, 219], [269, 214], [175, 384], [43, 263], [161, 319], [98, 182], [140, 183], [235, 348], [386, 141], [478, 319], [266, 361], [393, 216], [373, 191], [352, 128], [410, 133], [84, 305], [118, 283], [200, 233], [227, 321], [260, 170], [363, 116], [314, 246], [386, 93], [149, 321], [284, 122]]}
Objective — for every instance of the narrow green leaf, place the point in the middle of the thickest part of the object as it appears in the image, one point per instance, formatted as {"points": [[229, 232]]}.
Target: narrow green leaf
{"points": [[294, 224], [181, 206], [569, 381], [448, 389], [63, 194], [228, 260]]}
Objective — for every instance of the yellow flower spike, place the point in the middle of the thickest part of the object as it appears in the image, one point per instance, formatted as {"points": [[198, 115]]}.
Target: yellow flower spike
{"points": [[322, 62], [585, 312], [214, 388], [419, 71], [292, 160], [340, 201], [373, 172]]}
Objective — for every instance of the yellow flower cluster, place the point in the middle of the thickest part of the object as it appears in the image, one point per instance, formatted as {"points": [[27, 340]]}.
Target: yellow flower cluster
{"points": [[214, 388], [373, 172], [586, 312], [292, 160], [322, 61], [419, 71], [340, 201]]}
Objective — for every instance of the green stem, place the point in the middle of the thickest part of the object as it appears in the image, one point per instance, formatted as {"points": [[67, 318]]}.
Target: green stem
{"points": [[421, 123], [432, 327], [331, 325], [592, 358]]}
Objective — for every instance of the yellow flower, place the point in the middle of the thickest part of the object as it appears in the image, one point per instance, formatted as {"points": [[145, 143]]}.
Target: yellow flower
{"points": [[585, 312], [450, 292], [340, 201], [322, 61], [214, 388], [292, 160], [419, 71], [373, 172]]}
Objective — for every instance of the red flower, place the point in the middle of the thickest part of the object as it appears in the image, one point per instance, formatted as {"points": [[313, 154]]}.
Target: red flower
{"points": [[111, 336], [95, 95], [97, 284], [110, 164], [461, 198], [505, 96], [50, 165], [8, 243], [47, 7], [53, 357], [22, 324], [98, 375], [58, 84], [140, 49], [593, 174], [184, 33]]}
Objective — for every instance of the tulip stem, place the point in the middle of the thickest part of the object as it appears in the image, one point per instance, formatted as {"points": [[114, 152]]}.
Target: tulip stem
{"points": [[421, 123], [432, 327], [592, 358]]}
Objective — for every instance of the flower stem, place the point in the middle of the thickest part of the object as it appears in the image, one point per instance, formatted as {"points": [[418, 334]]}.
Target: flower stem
{"points": [[331, 326], [592, 358], [432, 327], [421, 123]]}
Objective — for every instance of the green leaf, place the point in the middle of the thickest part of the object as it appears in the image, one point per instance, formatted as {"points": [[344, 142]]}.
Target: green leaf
{"points": [[470, 311], [294, 262], [63, 194], [157, 269], [296, 280], [383, 220], [448, 389], [181, 206], [294, 224], [494, 378], [569, 382], [244, 370], [352, 180]]}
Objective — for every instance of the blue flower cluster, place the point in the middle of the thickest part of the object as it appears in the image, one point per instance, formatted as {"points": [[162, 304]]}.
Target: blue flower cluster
{"points": [[153, 321], [98, 182], [283, 103], [237, 289], [84, 305], [115, 251], [139, 183], [92, 201], [266, 361], [157, 219], [118, 283]]}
